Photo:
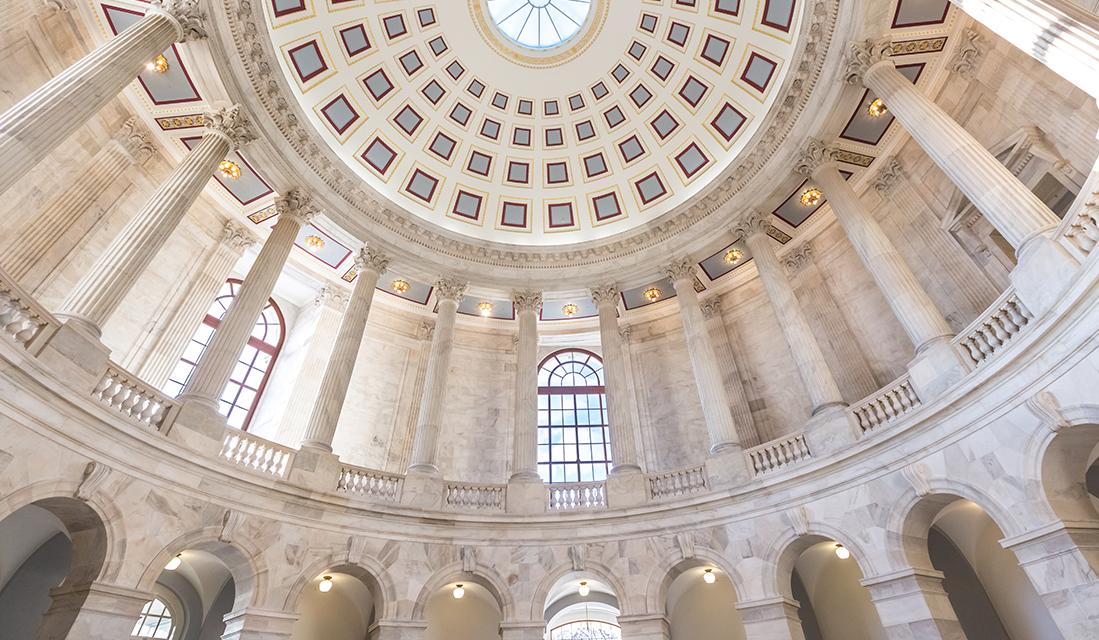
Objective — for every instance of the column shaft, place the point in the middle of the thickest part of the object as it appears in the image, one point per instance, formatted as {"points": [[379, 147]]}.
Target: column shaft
{"points": [[1006, 202], [426, 445], [748, 434], [345, 352], [97, 295], [813, 368], [400, 451], [216, 364], [34, 127], [623, 436], [525, 456], [910, 303]]}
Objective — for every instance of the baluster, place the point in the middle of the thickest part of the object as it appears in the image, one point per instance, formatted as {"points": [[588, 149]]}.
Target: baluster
{"points": [[991, 336], [983, 343]]}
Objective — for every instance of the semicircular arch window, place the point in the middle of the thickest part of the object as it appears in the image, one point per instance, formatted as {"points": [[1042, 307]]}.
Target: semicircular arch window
{"points": [[574, 442], [539, 24]]}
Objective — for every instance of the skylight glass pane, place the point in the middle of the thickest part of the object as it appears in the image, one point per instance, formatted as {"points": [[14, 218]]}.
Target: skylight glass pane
{"points": [[539, 24]]}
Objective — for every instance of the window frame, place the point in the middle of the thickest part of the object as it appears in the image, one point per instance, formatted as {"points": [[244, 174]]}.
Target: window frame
{"points": [[573, 392]]}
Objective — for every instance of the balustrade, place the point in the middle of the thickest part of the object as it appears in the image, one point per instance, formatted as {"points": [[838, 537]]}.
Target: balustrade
{"points": [[255, 453], [20, 317], [370, 484], [778, 454], [127, 394], [985, 336], [1083, 232], [475, 497], [677, 483], [585, 495], [886, 405]]}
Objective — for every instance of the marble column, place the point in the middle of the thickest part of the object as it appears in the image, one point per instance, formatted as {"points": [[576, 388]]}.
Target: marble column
{"points": [[1019, 215], [32, 250], [715, 401], [812, 367], [425, 447], [771, 619], [913, 604], [747, 434], [400, 453], [98, 294], [525, 457], [34, 127], [623, 431], [184, 320], [91, 611], [216, 364], [328, 309], [370, 264]]}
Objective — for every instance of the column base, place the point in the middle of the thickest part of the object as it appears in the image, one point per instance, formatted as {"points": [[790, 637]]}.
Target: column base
{"points": [[627, 487], [199, 426], [256, 624], [829, 431], [422, 490], [1043, 273], [726, 468], [771, 619], [91, 611], [937, 367], [76, 357], [526, 495], [315, 469]]}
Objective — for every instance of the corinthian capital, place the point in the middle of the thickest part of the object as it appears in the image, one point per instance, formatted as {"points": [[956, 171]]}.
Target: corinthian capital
{"points": [[711, 307], [236, 237], [231, 123], [605, 294], [755, 222], [864, 55], [370, 258], [295, 205], [451, 289], [887, 178], [816, 153], [135, 141], [187, 14], [681, 269], [527, 301], [332, 296]]}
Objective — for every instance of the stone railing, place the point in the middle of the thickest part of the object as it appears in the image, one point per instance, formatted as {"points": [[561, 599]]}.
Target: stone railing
{"points": [[255, 453], [20, 316], [984, 337], [778, 454], [1083, 231], [886, 405], [370, 484], [127, 394], [478, 497], [584, 495], [677, 483]]}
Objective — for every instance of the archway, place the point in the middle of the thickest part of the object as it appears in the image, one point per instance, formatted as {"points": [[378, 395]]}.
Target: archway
{"points": [[193, 593], [581, 604], [339, 603], [825, 577], [700, 603], [464, 609]]}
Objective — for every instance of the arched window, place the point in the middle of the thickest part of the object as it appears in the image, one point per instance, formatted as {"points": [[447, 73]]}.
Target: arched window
{"points": [[155, 622], [242, 394], [586, 630], [573, 437]]}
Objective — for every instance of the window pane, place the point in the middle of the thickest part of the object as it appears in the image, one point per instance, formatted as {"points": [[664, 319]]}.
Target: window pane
{"points": [[572, 423]]}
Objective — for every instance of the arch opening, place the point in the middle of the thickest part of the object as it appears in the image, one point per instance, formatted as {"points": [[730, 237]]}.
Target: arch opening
{"points": [[697, 607], [826, 580], [582, 605], [463, 609]]}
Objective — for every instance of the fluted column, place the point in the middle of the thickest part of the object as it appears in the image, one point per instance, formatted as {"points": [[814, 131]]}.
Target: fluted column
{"points": [[747, 434], [30, 252], [34, 127], [97, 295], [1006, 202], [525, 458], [425, 447], [162, 358], [215, 366], [813, 368], [715, 401], [623, 431], [370, 265], [910, 303]]}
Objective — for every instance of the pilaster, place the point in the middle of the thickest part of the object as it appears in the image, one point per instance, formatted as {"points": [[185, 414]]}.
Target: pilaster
{"points": [[771, 619], [730, 372], [92, 611], [649, 626], [913, 604], [258, 624]]}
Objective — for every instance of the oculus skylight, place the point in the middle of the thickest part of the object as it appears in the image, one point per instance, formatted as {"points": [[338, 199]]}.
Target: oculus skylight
{"points": [[539, 24]]}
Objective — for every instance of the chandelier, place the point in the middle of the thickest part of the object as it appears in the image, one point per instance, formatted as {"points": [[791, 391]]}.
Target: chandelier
{"points": [[400, 286], [652, 295], [229, 169], [570, 310], [484, 308], [877, 108], [160, 65], [733, 256], [314, 243], [811, 197]]}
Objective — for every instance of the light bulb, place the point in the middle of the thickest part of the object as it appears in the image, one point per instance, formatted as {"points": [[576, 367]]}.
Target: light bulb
{"points": [[459, 591], [326, 584], [174, 563], [842, 553], [709, 576], [584, 589]]}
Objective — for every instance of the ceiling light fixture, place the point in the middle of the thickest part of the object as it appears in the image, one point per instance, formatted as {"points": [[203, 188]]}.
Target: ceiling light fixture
{"points": [[877, 108], [811, 197], [326, 584], [314, 243], [652, 295], [570, 310], [229, 169], [174, 563], [160, 65], [584, 590], [841, 552], [459, 592], [485, 308], [400, 286], [709, 576], [734, 256]]}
